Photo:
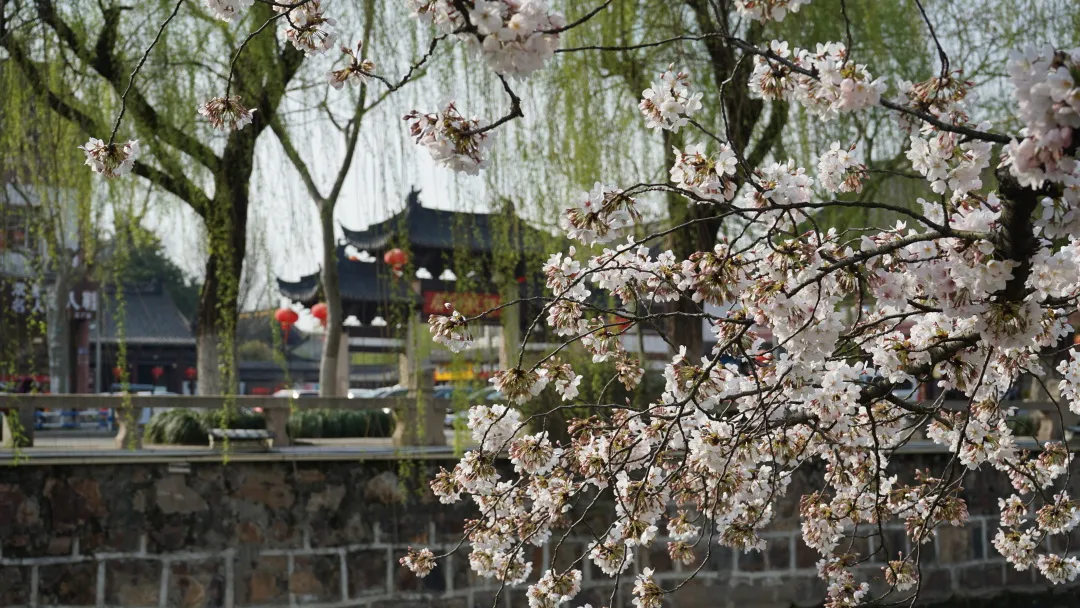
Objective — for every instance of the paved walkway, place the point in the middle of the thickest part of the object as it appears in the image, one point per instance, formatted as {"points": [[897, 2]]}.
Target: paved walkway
{"points": [[65, 446]]}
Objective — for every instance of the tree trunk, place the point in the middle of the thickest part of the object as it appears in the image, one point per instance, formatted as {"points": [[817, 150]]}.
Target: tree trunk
{"points": [[219, 301], [329, 382], [58, 334]]}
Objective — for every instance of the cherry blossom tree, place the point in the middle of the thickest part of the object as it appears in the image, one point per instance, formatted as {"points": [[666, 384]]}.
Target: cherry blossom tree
{"points": [[984, 277]]}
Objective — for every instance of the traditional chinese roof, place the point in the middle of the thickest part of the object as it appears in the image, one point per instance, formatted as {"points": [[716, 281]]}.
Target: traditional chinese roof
{"points": [[431, 235], [366, 288], [149, 317]]}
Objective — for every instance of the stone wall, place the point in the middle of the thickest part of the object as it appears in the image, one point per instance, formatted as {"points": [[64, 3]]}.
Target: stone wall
{"points": [[329, 534]]}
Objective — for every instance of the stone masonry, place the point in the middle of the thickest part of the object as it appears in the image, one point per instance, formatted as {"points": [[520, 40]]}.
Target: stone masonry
{"points": [[329, 534]]}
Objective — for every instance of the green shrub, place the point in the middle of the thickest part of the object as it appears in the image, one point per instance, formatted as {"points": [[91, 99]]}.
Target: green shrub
{"points": [[176, 427], [340, 423], [191, 427]]}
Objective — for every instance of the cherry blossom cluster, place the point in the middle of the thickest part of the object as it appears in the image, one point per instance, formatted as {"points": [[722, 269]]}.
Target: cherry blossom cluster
{"points": [[668, 103], [768, 10], [708, 177], [110, 160], [309, 28], [228, 10], [600, 214], [451, 331], [226, 114], [454, 142], [823, 81], [358, 72], [1048, 104], [840, 171], [515, 37]]}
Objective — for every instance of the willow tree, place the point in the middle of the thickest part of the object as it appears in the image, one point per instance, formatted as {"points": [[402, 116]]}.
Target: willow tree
{"points": [[359, 90], [50, 196], [114, 63]]}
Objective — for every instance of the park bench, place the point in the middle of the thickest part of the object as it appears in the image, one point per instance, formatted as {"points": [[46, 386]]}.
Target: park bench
{"points": [[241, 439]]}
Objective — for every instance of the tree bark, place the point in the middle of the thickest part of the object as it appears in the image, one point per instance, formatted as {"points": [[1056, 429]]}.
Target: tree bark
{"points": [[58, 334], [219, 301], [329, 382]]}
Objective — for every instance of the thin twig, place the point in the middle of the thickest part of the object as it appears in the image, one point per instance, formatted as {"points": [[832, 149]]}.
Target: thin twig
{"points": [[131, 78], [587, 16], [236, 56], [515, 112]]}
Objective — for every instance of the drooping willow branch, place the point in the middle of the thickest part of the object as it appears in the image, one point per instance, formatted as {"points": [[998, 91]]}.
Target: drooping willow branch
{"points": [[138, 66]]}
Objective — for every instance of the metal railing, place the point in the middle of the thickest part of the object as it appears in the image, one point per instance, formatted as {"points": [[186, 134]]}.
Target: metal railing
{"points": [[417, 417]]}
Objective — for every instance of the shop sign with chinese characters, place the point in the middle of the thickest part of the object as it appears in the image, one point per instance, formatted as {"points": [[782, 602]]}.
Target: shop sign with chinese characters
{"points": [[467, 303], [82, 303], [26, 298]]}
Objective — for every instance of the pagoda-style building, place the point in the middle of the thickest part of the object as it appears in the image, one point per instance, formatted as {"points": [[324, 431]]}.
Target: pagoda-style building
{"points": [[397, 272]]}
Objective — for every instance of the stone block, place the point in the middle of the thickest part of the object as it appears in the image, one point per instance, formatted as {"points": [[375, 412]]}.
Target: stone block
{"points": [[656, 556], [449, 602], [348, 526], [15, 586], [316, 578], [384, 488], [721, 559], [893, 542], [936, 583], [248, 533], [982, 578], [267, 582], [132, 583], [801, 590], [1019, 578], [367, 572], [778, 553], [168, 536], [266, 486], [74, 501], [751, 561], [196, 584], [756, 592], [59, 545], [12, 499], [174, 496], [328, 500], [978, 540], [596, 596], [953, 544], [805, 557], [927, 553]]}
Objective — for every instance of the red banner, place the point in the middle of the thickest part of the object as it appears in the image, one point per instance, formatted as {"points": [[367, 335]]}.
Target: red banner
{"points": [[468, 304]]}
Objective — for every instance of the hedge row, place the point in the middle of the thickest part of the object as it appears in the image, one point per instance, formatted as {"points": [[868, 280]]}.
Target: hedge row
{"points": [[191, 427]]}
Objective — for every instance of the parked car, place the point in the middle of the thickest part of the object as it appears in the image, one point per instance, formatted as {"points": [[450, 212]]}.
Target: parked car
{"points": [[489, 394], [362, 393], [297, 393], [390, 392]]}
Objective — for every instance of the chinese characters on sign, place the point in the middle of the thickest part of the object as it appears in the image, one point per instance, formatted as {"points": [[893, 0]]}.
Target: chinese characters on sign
{"points": [[26, 299], [468, 304], [83, 303]]}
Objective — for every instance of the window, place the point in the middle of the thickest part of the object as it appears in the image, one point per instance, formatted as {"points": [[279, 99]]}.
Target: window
{"points": [[16, 229]]}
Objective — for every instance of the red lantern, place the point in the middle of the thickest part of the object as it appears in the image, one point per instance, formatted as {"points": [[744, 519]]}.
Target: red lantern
{"points": [[117, 372], [396, 258], [320, 312], [286, 316], [157, 372], [190, 373]]}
